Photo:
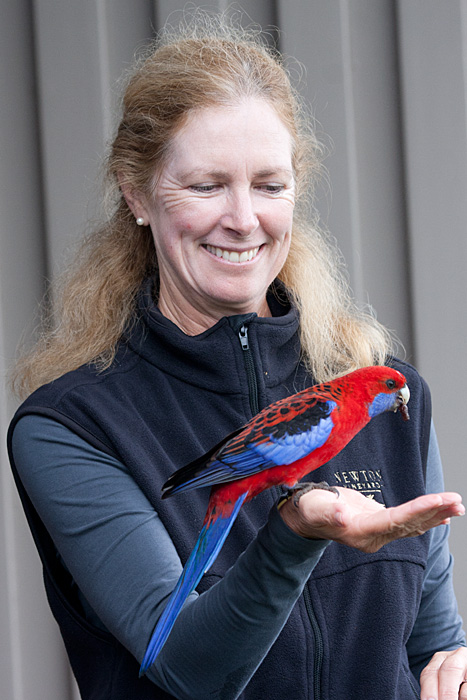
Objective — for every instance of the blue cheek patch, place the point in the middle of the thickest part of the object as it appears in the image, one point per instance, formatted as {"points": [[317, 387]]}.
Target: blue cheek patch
{"points": [[382, 402]]}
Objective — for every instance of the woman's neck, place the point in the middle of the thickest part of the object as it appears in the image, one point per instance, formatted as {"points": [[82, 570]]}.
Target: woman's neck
{"points": [[194, 321]]}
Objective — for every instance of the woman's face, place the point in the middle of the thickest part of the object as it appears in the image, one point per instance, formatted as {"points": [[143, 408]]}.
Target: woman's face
{"points": [[221, 213]]}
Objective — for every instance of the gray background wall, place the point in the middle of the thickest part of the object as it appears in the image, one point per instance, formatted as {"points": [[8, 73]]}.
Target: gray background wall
{"points": [[387, 82]]}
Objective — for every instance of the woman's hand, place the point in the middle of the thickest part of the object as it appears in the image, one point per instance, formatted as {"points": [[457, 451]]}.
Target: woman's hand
{"points": [[443, 677], [363, 523]]}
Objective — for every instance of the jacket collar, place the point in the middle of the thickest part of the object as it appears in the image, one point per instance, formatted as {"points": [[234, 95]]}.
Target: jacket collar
{"points": [[214, 358]]}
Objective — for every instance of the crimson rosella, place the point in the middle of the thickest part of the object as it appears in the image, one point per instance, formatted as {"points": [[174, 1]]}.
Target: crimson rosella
{"points": [[279, 446]]}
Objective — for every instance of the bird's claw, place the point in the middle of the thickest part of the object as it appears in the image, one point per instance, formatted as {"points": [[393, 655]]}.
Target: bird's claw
{"points": [[300, 489]]}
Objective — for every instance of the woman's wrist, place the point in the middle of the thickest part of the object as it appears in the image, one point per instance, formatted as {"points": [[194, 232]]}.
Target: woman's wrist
{"points": [[292, 517]]}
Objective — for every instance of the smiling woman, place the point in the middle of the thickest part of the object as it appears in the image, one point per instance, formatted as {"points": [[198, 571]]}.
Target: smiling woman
{"points": [[221, 214], [207, 295]]}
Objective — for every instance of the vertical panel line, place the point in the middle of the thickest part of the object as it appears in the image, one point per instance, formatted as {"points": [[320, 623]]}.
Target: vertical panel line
{"points": [[104, 68], [463, 9], [8, 533], [352, 159], [410, 347]]}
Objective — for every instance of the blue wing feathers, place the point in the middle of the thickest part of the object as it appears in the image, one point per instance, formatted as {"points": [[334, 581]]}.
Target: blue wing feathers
{"points": [[205, 551], [291, 447]]}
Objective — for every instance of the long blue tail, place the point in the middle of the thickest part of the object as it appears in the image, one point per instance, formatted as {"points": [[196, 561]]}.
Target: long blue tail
{"points": [[205, 551]]}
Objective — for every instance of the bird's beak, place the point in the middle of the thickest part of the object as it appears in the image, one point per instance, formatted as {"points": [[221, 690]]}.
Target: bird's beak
{"points": [[404, 395], [402, 399]]}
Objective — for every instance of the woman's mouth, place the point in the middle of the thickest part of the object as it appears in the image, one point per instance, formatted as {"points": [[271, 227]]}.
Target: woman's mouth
{"points": [[232, 255]]}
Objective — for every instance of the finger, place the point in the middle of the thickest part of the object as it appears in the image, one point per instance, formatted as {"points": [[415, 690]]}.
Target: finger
{"points": [[451, 496], [463, 691], [389, 525], [443, 677], [450, 681], [429, 677], [452, 673], [427, 511], [431, 502], [440, 517]]}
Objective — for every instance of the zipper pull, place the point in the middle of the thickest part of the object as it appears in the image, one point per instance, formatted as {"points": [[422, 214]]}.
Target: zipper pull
{"points": [[243, 335], [250, 369]]}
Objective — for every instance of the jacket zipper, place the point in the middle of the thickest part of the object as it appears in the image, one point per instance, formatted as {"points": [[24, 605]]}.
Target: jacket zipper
{"points": [[250, 370], [318, 648], [253, 386], [254, 406]]}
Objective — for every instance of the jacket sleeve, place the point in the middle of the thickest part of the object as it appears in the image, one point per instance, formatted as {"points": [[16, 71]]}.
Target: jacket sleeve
{"points": [[438, 625], [125, 565]]}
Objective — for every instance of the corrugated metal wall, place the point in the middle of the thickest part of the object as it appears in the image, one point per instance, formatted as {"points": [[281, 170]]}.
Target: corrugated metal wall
{"points": [[387, 83]]}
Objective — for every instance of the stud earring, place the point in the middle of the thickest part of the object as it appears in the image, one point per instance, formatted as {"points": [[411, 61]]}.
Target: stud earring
{"points": [[140, 221]]}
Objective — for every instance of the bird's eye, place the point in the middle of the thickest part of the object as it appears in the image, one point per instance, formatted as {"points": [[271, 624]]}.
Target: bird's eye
{"points": [[390, 383]]}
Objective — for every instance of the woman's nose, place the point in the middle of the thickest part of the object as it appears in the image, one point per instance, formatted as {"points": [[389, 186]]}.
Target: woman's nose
{"points": [[240, 215]]}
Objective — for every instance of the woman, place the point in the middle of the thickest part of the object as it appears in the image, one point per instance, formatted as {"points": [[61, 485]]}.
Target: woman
{"points": [[204, 298]]}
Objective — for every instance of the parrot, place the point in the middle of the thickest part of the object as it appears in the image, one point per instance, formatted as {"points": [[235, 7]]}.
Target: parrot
{"points": [[279, 446]]}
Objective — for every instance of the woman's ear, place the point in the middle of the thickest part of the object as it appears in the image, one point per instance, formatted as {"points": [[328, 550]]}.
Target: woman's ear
{"points": [[135, 202]]}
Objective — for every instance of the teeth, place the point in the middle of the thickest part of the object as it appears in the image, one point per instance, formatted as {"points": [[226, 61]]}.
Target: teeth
{"points": [[233, 256]]}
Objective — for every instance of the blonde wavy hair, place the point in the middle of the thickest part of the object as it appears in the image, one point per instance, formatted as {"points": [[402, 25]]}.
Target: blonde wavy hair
{"points": [[202, 64]]}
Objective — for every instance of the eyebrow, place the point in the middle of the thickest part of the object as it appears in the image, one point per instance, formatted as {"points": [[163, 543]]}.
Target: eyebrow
{"points": [[224, 175], [274, 171]]}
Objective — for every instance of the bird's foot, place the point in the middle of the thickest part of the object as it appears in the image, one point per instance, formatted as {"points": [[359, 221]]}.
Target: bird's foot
{"points": [[303, 487]]}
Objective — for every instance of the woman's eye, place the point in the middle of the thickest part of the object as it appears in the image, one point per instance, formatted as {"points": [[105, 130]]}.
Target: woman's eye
{"points": [[272, 189], [203, 188]]}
